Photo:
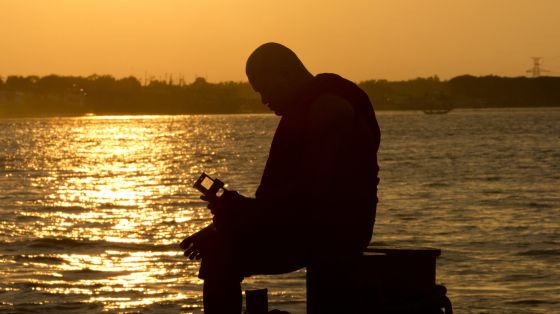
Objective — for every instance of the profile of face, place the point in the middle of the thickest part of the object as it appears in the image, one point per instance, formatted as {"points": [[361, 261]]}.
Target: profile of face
{"points": [[277, 74], [274, 90]]}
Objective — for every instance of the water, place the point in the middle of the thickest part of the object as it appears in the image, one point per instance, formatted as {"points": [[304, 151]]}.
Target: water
{"points": [[92, 209]]}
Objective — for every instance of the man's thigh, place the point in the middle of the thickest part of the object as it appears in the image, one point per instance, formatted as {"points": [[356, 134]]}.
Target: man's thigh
{"points": [[273, 258], [255, 253]]}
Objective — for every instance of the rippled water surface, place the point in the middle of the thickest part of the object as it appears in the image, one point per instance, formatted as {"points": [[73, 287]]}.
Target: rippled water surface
{"points": [[92, 209]]}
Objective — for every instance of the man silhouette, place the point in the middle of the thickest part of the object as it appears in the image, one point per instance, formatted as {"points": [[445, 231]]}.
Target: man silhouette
{"points": [[317, 198]]}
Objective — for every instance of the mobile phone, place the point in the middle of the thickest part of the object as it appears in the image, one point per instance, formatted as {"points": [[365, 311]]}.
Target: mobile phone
{"points": [[209, 187]]}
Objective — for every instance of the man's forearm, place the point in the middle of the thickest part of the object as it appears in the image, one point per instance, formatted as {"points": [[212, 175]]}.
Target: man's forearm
{"points": [[259, 212]]}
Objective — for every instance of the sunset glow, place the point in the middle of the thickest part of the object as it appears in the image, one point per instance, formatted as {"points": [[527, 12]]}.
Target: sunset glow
{"points": [[112, 113], [360, 39]]}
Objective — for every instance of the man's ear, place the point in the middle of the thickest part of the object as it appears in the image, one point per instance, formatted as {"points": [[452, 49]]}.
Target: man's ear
{"points": [[284, 77]]}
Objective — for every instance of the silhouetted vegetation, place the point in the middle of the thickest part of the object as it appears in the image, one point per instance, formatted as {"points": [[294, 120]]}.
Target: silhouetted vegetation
{"points": [[103, 94], [464, 92], [68, 95]]}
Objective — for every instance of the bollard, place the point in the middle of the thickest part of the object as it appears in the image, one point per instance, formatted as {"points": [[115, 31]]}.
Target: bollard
{"points": [[256, 301]]}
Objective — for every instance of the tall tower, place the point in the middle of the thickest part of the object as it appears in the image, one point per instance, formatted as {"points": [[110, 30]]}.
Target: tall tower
{"points": [[536, 70]]}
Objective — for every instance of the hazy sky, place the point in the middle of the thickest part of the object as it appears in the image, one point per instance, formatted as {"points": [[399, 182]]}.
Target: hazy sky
{"points": [[368, 39]]}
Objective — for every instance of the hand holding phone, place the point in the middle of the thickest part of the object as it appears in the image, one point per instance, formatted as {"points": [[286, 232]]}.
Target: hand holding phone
{"points": [[210, 188]]}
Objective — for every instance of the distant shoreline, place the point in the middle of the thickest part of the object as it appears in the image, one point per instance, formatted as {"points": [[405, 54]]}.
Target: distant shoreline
{"points": [[138, 115], [60, 96]]}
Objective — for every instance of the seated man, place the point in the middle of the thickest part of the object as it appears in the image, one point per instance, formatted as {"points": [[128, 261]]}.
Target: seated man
{"points": [[317, 198]]}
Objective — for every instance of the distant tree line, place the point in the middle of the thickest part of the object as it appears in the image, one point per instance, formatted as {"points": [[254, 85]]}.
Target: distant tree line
{"points": [[104, 94], [464, 91]]}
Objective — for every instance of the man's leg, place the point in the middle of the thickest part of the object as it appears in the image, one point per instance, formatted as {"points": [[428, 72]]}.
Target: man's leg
{"points": [[222, 278], [222, 296], [255, 253]]}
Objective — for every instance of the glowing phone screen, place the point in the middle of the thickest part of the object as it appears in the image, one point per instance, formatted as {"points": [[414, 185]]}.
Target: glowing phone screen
{"points": [[207, 183]]}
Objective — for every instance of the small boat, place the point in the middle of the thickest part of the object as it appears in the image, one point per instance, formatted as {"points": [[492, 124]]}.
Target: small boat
{"points": [[437, 103], [437, 111]]}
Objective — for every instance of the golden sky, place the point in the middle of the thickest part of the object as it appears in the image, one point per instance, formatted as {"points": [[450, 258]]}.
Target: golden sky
{"points": [[359, 39]]}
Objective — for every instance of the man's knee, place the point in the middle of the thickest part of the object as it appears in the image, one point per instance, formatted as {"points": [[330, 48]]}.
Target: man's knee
{"points": [[220, 264]]}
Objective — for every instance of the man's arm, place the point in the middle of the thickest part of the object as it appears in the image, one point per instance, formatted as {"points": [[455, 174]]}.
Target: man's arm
{"points": [[331, 119]]}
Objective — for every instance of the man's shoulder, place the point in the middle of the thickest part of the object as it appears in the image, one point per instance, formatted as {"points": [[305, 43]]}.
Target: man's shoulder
{"points": [[332, 109]]}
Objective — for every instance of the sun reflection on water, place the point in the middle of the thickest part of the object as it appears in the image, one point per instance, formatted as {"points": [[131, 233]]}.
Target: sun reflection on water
{"points": [[101, 203], [110, 212]]}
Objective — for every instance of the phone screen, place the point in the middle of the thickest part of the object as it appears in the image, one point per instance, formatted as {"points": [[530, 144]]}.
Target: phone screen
{"points": [[207, 183]]}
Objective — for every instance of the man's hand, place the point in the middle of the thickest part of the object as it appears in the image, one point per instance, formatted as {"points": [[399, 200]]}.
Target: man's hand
{"points": [[224, 208], [227, 209], [229, 201], [197, 244]]}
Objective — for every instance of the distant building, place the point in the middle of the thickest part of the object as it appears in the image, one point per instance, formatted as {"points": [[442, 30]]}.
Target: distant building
{"points": [[76, 98], [12, 98], [3, 98]]}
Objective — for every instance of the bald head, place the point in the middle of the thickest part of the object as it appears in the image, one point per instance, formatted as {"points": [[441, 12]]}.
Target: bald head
{"points": [[277, 74], [274, 59]]}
